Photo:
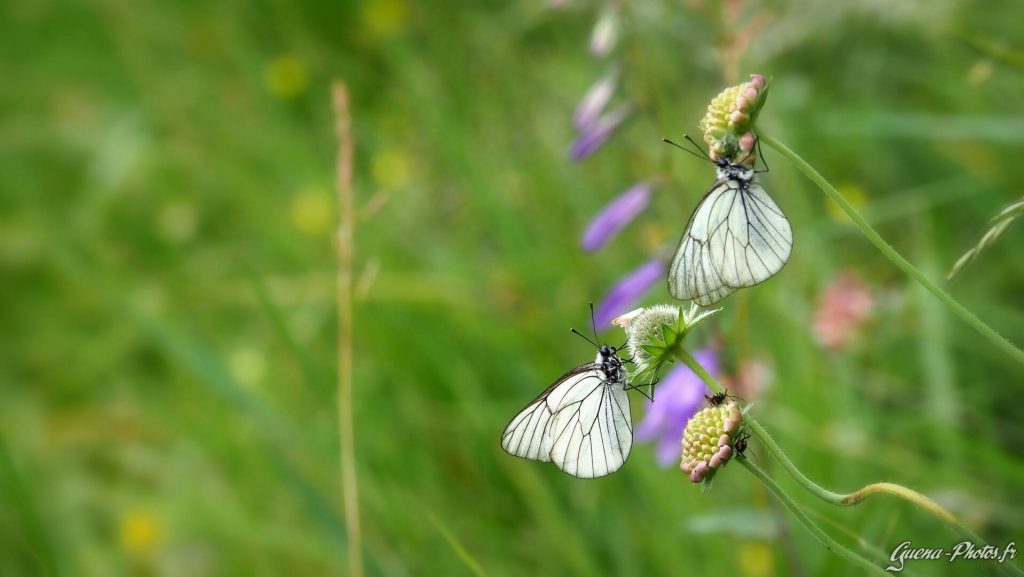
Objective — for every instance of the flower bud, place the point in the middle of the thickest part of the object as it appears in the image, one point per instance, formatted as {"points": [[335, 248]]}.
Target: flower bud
{"points": [[708, 438], [731, 114]]}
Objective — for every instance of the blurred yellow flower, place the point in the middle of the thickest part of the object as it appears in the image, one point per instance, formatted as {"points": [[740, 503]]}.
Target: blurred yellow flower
{"points": [[312, 212], [286, 77], [140, 532], [756, 559], [385, 17], [390, 169], [980, 72], [247, 366], [854, 194]]}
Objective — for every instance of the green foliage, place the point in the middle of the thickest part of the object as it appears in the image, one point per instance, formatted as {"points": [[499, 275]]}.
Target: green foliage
{"points": [[167, 365]]}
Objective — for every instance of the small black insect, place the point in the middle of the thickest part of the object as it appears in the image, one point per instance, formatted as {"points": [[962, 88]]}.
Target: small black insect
{"points": [[740, 446], [719, 398]]}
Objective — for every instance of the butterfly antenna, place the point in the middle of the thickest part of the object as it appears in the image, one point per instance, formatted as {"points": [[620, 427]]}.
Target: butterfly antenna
{"points": [[686, 150], [697, 146], [584, 337], [593, 323]]}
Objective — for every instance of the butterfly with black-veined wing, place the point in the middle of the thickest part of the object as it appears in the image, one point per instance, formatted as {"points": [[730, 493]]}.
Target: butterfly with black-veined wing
{"points": [[737, 237], [581, 422]]}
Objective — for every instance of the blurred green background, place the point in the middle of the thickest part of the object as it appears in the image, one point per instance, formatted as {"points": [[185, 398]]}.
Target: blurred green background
{"points": [[167, 206]]}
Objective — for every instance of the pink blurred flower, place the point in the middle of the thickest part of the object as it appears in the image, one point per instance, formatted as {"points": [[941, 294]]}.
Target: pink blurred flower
{"points": [[845, 305], [750, 380]]}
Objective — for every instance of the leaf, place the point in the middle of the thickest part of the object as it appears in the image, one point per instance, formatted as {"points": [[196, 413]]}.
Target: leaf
{"points": [[669, 334], [655, 351]]}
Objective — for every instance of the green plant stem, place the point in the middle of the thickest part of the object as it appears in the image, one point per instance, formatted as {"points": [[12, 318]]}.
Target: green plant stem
{"points": [[833, 498], [829, 543], [890, 253]]}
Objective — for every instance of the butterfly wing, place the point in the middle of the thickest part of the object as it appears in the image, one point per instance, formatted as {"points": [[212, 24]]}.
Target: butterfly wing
{"points": [[528, 434], [738, 237], [693, 275], [592, 432]]}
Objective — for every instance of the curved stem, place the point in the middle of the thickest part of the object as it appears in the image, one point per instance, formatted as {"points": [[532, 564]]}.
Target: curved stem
{"points": [[827, 541], [890, 253], [831, 497]]}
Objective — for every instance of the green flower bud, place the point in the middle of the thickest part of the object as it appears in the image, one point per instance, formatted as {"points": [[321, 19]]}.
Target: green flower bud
{"points": [[708, 440], [731, 115]]}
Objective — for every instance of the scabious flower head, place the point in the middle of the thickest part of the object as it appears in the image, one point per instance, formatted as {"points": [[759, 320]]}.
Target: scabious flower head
{"points": [[616, 215], [729, 121], [679, 395], [654, 333], [708, 440]]}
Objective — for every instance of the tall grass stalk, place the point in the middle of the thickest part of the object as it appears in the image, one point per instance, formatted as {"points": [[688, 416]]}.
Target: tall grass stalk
{"points": [[346, 255]]}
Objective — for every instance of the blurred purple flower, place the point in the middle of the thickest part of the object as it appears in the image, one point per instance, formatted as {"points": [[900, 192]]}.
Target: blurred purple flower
{"points": [[594, 101], [594, 135], [677, 398], [624, 295], [605, 32], [616, 215]]}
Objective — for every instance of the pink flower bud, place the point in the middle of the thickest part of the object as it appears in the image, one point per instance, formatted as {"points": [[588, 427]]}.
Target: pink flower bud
{"points": [[725, 452], [715, 461], [738, 117], [742, 102], [699, 472], [723, 440], [758, 81], [750, 94], [747, 142]]}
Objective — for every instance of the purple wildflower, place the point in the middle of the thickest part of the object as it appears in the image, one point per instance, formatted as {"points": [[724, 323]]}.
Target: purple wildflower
{"points": [[594, 101], [616, 215], [624, 295], [677, 398], [593, 136]]}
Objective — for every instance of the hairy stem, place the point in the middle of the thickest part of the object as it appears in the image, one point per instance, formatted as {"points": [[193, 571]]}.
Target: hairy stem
{"points": [[818, 533], [886, 249]]}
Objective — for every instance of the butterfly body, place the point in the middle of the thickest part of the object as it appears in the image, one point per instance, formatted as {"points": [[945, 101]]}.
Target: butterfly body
{"points": [[737, 237], [581, 423]]}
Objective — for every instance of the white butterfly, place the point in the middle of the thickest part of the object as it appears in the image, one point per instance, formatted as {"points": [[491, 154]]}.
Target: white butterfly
{"points": [[581, 423], [737, 237]]}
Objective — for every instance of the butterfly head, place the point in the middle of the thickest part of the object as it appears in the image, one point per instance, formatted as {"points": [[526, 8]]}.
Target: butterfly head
{"points": [[610, 363], [727, 169]]}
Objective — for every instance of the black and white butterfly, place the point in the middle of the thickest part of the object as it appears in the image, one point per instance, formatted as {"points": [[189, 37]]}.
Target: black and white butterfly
{"points": [[737, 237], [581, 423]]}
